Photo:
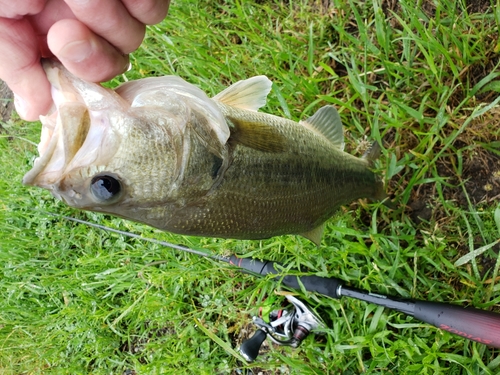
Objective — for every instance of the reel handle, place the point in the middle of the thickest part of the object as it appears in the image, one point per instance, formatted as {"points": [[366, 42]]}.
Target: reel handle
{"points": [[249, 349]]}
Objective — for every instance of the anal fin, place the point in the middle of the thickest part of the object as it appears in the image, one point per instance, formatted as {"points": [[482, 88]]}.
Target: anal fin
{"points": [[315, 234]]}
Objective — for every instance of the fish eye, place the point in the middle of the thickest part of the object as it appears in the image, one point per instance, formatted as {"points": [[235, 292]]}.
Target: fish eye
{"points": [[105, 188]]}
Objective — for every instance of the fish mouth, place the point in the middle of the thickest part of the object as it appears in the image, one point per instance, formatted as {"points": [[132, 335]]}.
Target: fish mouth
{"points": [[64, 130], [77, 133], [63, 133]]}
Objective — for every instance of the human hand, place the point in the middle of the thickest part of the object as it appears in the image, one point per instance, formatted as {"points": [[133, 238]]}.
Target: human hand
{"points": [[90, 37]]}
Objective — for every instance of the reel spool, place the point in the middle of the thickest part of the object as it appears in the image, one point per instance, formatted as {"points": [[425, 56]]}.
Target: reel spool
{"points": [[286, 327]]}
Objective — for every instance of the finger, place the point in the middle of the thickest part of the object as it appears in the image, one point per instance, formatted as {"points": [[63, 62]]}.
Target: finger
{"points": [[53, 11], [16, 9], [20, 68], [110, 20], [148, 12], [83, 53]]}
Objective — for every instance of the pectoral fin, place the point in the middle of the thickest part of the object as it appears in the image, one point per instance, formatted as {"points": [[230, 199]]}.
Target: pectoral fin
{"points": [[257, 135], [315, 234]]}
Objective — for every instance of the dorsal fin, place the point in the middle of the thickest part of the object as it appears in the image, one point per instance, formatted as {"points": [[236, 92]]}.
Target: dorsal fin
{"points": [[249, 94], [326, 121]]}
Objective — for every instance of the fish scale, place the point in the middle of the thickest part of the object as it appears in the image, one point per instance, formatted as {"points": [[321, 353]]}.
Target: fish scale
{"points": [[267, 193]]}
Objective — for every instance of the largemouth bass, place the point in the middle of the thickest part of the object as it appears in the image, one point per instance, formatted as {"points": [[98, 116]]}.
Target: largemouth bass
{"points": [[161, 152]]}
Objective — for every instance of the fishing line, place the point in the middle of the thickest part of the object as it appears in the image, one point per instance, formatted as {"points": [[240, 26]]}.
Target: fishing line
{"points": [[139, 237]]}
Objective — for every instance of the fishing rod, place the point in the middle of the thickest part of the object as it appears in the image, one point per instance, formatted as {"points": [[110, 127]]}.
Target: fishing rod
{"points": [[474, 324]]}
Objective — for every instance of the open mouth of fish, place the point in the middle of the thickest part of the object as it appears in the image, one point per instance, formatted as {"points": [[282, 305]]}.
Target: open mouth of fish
{"points": [[72, 133], [58, 145]]}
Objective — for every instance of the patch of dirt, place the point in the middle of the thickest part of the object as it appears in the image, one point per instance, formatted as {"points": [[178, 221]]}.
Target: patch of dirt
{"points": [[429, 7], [488, 263], [6, 103], [474, 73], [137, 344], [479, 184], [480, 178], [478, 6], [473, 175]]}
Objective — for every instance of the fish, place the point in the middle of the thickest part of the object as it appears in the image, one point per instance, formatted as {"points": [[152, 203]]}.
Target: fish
{"points": [[159, 151]]}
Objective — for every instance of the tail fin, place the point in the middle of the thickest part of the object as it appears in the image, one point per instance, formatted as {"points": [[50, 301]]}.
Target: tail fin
{"points": [[372, 154], [381, 195]]}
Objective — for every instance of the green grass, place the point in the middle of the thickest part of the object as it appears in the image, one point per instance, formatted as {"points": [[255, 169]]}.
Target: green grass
{"points": [[424, 79]]}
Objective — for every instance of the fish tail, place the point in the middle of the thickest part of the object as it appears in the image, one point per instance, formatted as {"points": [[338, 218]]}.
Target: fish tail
{"points": [[381, 195], [372, 154]]}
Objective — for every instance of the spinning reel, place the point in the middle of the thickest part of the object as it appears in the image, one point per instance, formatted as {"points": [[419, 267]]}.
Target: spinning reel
{"points": [[285, 327]]}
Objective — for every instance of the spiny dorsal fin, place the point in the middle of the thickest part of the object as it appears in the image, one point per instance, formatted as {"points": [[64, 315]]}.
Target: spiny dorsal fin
{"points": [[326, 121], [249, 94], [256, 135], [315, 234]]}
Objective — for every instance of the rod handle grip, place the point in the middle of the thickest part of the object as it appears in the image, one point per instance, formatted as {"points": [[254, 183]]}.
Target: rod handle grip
{"points": [[328, 286], [477, 325]]}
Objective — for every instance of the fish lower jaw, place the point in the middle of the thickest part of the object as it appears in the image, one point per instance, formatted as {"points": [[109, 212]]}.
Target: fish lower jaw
{"points": [[63, 133], [46, 149]]}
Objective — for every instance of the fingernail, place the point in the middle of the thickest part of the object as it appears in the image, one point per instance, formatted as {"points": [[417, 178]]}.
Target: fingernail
{"points": [[128, 65], [21, 106], [76, 51]]}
